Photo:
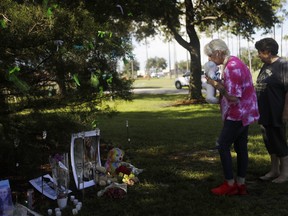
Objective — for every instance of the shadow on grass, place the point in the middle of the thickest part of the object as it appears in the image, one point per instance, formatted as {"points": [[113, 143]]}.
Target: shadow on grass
{"points": [[173, 146]]}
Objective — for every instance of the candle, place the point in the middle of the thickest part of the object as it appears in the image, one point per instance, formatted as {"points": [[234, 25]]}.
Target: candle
{"points": [[72, 198], [75, 201], [50, 211], [78, 207], [74, 211]]}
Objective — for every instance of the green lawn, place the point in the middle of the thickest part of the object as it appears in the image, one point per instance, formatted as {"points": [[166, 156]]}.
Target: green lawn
{"points": [[173, 145], [165, 82]]}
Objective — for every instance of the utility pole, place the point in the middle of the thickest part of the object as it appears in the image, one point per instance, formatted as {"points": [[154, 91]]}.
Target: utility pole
{"points": [[146, 56], [169, 59], [175, 60], [132, 69]]}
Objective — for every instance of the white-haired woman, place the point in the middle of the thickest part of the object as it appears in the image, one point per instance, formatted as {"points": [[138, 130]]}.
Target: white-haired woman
{"points": [[238, 104]]}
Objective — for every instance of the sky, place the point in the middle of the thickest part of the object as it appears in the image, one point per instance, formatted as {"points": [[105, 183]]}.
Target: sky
{"points": [[156, 47]]}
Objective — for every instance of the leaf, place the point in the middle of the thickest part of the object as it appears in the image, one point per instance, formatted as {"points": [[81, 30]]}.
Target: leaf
{"points": [[45, 3], [125, 61], [13, 70], [90, 45], [94, 124], [3, 23], [20, 84], [94, 80], [101, 34], [76, 79], [49, 12], [109, 80]]}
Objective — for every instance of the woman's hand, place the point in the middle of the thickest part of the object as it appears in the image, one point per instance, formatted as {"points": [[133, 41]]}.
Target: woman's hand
{"points": [[221, 88], [217, 85]]}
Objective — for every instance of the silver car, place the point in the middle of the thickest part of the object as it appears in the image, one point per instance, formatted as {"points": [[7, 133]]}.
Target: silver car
{"points": [[185, 79]]}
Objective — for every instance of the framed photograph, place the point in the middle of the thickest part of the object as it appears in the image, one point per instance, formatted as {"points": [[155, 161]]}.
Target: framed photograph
{"points": [[85, 155], [6, 204], [45, 185]]}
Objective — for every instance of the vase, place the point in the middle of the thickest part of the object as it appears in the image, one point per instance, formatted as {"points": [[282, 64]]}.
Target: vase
{"points": [[60, 174], [62, 202]]}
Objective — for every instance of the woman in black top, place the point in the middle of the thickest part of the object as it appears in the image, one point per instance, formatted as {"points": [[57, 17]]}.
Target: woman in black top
{"points": [[272, 88]]}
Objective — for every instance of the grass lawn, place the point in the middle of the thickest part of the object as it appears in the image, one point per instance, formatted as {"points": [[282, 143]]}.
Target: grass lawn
{"points": [[173, 144]]}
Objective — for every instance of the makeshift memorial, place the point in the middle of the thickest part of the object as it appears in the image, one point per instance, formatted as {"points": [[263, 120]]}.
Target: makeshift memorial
{"points": [[60, 174]]}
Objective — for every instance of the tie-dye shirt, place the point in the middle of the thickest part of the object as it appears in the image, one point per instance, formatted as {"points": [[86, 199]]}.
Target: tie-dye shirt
{"points": [[238, 82]]}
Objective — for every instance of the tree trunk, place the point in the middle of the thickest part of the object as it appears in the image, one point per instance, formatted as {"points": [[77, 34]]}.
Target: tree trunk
{"points": [[195, 85], [193, 47]]}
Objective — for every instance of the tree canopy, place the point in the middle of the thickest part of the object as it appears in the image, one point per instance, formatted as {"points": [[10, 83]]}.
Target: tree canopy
{"points": [[156, 63], [73, 46], [63, 45], [178, 19]]}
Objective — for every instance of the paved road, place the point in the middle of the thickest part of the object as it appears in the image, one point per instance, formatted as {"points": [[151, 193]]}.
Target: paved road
{"points": [[160, 91]]}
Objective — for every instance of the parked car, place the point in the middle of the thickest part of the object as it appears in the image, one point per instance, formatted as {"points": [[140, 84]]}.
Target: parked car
{"points": [[157, 75], [185, 79]]}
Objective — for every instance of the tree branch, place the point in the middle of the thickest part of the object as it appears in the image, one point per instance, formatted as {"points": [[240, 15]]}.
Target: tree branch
{"points": [[5, 18]]}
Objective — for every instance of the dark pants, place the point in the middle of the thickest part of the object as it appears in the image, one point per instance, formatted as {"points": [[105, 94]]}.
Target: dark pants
{"points": [[275, 140], [233, 132]]}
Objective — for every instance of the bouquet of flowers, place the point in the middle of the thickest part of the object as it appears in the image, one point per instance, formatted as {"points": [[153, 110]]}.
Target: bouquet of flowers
{"points": [[60, 173]]}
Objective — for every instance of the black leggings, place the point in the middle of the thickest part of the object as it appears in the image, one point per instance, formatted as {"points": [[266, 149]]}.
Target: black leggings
{"points": [[233, 132], [275, 140]]}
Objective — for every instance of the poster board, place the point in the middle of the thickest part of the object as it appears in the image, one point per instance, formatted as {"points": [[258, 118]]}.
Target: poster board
{"points": [[85, 155]]}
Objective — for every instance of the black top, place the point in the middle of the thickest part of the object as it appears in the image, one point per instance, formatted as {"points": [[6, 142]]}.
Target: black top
{"points": [[272, 85]]}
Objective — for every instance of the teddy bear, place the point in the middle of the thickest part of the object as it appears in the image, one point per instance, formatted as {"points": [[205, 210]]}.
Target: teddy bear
{"points": [[211, 70], [114, 160], [123, 170], [102, 178]]}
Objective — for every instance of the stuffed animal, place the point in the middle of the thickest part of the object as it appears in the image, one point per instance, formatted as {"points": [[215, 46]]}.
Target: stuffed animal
{"points": [[115, 165], [114, 159], [211, 70], [102, 178]]}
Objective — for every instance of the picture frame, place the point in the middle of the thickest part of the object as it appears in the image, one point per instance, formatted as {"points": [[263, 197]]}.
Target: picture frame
{"points": [[85, 156], [6, 203]]}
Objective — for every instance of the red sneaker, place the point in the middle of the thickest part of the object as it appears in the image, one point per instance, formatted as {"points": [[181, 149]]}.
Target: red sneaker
{"points": [[225, 189], [242, 189]]}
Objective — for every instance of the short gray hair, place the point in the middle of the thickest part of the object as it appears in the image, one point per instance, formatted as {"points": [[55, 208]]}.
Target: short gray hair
{"points": [[216, 45]]}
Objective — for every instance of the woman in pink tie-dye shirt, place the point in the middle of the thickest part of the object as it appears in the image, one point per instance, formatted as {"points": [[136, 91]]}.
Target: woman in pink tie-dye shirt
{"points": [[239, 109]]}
